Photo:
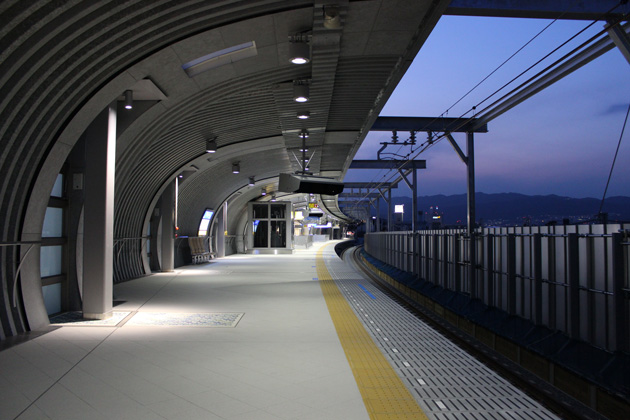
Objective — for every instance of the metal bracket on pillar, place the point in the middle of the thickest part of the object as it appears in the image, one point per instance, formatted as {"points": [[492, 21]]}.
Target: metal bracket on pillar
{"points": [[459, 151], [620, 38], [404, 177], [380, 191]]}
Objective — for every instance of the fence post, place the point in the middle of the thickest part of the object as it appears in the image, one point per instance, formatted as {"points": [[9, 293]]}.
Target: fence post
{"points": [[537, 274], [488, 295], [435, 253], [445, 256], [427, 257], [416, 253], [456, 266], [619, 328], [511, 274], [573, 298]]}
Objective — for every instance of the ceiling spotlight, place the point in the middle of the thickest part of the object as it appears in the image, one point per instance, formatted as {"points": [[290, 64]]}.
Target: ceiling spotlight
{"points": [[251, 181], [301, 93], [304, 115], [211, 146], [273, 197], [304, 134], [299, 52], [263, 192], [236, 168], [304, 150], [181, 176], [128, 99]]}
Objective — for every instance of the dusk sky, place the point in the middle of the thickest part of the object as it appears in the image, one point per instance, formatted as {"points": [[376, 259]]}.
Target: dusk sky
{"points": [[561, 141]]}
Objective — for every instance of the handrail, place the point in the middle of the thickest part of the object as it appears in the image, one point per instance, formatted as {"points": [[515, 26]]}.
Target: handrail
{"points": [[17, 272], [118, 240], [20, 243]]}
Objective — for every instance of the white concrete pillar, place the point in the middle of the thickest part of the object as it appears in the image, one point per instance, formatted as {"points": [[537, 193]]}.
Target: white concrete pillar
{"points": [[169, 221], [100, 156]]}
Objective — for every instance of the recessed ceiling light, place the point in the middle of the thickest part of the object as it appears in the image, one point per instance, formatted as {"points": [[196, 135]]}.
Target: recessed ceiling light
{"points": [[128, 99], [299, 52], [304, 115], [211, 146], [301, 93]]}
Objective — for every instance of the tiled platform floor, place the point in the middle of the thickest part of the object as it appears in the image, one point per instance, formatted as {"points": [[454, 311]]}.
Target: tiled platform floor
{"points": [[281, 360]]}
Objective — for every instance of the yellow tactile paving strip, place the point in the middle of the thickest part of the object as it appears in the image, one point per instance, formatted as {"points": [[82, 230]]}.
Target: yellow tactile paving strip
{"points": [[384, 394]]}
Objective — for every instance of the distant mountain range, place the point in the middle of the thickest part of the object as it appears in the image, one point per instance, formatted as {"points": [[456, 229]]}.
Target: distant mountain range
{"points": [[512, 208]]}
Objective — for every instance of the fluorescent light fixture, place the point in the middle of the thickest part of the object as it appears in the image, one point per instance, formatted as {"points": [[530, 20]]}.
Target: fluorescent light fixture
{"points": [[299, 52], [251, 181], [304, 115], [128, 99], [220, 58], [211, 146], [236, 168], [263, 192], [301, 93]]}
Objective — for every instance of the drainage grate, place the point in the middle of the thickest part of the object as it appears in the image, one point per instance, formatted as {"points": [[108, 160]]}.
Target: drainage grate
{"points": [[212, 320]]}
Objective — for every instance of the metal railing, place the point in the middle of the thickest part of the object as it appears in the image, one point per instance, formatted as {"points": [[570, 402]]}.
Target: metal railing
{"points": [[573, 279], [30, 245]]}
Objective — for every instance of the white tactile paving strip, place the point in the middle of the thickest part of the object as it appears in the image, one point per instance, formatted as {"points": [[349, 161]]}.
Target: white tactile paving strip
{"points": [[447, 382]]}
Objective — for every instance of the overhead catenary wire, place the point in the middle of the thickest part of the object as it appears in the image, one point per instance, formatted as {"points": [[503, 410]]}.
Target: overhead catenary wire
{"points": [[623, 129], [424, 146]]}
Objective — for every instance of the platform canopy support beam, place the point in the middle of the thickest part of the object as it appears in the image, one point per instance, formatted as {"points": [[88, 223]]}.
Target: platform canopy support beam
{"points": [[404, 168]]}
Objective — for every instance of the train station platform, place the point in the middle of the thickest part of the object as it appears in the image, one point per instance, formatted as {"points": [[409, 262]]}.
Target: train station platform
{"points": [[256, 337]]}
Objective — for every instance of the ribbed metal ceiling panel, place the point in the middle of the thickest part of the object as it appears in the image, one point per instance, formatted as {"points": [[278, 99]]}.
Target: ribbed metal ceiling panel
{"points": [[358, 82], [61, 63]]}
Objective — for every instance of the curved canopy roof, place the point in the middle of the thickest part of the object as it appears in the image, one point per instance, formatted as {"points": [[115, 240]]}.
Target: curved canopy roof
{"points": [[199, 70]]}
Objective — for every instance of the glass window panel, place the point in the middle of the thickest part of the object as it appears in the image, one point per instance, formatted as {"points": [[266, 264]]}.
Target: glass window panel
{"points": [[52, 298], [53, 223], [279, 234], [50, 260], [204, 224], [277, 211], [261, 211], [57, 190], [260, 233]]}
